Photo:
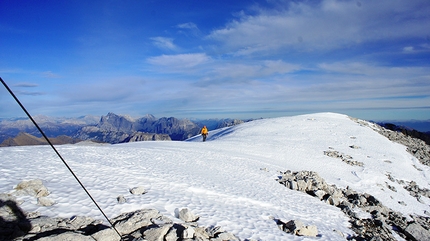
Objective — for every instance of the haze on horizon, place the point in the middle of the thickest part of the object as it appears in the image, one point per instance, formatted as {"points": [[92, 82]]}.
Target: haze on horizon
{"points": [[221, 59]]}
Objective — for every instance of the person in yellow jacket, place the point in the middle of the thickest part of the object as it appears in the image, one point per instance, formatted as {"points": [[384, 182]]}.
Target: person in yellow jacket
{"points": [[204, 132]]}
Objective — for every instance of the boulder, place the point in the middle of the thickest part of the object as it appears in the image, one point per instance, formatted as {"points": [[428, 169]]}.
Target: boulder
{"points": [[33, 188], [157, 233], [414, 231], [128, 222], [67, 236], [44, 201], [187, 216], [121, 199], [106, 235], [311, 231], [138, 190]]}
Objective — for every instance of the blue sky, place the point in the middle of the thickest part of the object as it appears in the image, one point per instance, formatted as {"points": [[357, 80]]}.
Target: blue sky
{"points": [[216, 59]]}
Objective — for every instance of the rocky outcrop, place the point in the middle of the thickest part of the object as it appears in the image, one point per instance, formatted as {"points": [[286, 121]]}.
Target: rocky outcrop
{"points": [[383, 220], [141, 136], [343, 157], [425, 136], [416, 147], [144, 224]]}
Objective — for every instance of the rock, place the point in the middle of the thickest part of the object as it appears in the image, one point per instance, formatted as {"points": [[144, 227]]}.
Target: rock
{"points": [[293, 225], [33, 188], [225, 236], [297, 227], [138, 190], [311, 231], [345, 158], [67, 236], [106, 235], [414, 231], [156, 233], [44, 201], [128, 222], [188, 233], [186, 216], [121, 199], [320, 194], [172, 235], [378, 227], [200, 233]]}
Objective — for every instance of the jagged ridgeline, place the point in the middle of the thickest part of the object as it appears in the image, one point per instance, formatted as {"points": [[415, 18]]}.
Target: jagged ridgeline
{"points": [[111, 128]]}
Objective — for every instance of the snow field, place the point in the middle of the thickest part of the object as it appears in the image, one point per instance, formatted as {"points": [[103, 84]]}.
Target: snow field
{"points": [[229, 180]]}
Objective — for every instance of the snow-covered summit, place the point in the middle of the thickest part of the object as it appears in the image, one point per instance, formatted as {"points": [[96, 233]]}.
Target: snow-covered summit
{"points": [[229, 180]]}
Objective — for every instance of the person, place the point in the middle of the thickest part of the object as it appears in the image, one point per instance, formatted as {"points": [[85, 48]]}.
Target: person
{"points": [[204, 132]]}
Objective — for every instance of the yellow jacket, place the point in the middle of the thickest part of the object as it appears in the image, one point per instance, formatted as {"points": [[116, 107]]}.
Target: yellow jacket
{"points": [[204, 130]]}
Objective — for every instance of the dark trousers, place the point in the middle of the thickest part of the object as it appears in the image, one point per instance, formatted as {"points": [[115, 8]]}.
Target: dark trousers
{"points": [[204, 136]]}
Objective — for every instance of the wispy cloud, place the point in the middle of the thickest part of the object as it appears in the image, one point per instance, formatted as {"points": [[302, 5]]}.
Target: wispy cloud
{"points": [[50, 74], [31, 93], [179, 61], [329, 24], [26, 85], [164, 43], [189, 28], [188, 25]]}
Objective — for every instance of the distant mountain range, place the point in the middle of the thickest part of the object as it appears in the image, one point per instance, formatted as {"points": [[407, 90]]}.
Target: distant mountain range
{"points": [[111, 128], [419, 125]]}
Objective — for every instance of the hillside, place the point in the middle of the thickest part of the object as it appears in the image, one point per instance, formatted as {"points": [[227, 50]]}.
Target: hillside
{"points": [[233, 180]]}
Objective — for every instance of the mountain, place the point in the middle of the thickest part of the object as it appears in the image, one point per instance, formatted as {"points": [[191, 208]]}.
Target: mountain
{"points": [[25, 139], [52, 126], [213, 124], [114, 128], [418, 125], [111, 128], [341, 178]]}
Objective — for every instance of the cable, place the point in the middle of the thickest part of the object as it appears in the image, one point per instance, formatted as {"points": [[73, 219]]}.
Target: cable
{"points": [[58, 154]]}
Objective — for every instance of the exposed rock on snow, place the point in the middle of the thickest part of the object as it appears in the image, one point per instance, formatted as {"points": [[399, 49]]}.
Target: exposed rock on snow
{"points": [[138, 190], [187, 216], [121, 199], [44, 201], [141, 136], [33, 188], [345, 158], [297, 227], [415, 146], [383, 220]]}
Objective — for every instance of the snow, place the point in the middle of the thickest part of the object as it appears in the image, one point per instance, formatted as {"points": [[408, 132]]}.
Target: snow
{"points": [[229, 180]]}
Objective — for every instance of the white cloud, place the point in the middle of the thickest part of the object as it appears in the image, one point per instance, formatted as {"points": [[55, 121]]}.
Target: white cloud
{"points": [[331, 24], [239, 72], [188, 25], [164, 43], [180, 60]]}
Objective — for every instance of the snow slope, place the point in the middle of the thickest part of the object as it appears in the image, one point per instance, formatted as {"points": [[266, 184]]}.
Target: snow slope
{"points": [[229, 180]]}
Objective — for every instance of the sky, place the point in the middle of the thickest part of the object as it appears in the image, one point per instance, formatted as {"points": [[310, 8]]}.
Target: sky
{"points": [[216, 59]]}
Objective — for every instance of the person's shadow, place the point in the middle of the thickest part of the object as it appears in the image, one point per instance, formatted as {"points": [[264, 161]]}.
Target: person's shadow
{"points": [[15, 225]]}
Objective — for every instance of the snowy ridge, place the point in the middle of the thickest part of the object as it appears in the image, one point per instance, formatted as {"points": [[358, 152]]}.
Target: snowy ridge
{"points": [[229, 180]]}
